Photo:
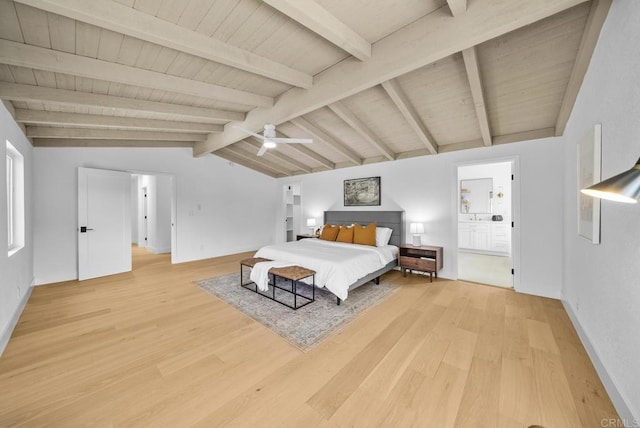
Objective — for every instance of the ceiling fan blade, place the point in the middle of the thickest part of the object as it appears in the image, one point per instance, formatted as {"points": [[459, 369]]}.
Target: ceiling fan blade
{"points": [[262, 150], [249, 132], [293, 140]]}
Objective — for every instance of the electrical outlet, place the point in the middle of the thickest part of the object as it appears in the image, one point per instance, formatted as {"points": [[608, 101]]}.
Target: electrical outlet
{"points": [[18, 292], [578, 305]]}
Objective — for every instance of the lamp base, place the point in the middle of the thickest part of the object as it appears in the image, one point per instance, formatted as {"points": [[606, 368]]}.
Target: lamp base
{"points": [[417, 240]]}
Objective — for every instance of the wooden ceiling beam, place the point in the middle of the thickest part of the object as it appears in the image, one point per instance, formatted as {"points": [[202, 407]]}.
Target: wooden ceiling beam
{"points": [[254, 158], [109, 134], [457, 7], [534, 134], [464, 145], [116, 17], [74, 142], [319, 20], [470, 57], [19, 92], [257, 144], [226, 154], [23, 55], [309, 154], [321, 135], [595, 20], [436, 35], [410, 114], [269, 156], [43, 117], [357, 125]]}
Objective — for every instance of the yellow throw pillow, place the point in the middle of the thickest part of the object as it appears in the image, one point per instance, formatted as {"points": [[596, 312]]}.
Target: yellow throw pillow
{"points": [[345, 234], [365, 235], [329, 232]]}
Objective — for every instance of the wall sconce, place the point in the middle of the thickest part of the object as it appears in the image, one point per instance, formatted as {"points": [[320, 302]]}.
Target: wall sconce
{"points": [[416, 229], [311, 224], [623, 187]]}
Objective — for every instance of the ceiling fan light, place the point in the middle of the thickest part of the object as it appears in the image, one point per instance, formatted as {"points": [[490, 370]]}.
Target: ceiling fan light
{"points": [[269, 144]]}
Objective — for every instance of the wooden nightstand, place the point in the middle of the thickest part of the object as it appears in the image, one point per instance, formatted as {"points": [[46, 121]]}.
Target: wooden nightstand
{"points": [[303, 236], [422, 258]]}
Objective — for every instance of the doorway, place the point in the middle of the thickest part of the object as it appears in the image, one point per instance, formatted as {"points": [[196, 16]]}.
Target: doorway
{"points": [[153, 213], [485, 223], [118, 210]]}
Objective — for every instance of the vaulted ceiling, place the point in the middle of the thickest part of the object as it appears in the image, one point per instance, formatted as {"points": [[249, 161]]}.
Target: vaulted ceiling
{"points": [[368, 80]]}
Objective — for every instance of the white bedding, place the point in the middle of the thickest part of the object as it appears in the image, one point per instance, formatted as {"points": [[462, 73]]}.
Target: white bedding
{"points": [[337, 264]]}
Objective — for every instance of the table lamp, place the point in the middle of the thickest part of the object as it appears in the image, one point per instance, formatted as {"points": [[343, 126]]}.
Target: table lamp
{"points": [[311, 224], [416, 229]]}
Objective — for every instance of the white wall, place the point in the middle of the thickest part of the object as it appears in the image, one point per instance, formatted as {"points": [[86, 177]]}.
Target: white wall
{"points": [[134, 209], [159, 215], [16, 272], [426, 188], [602, 282], [222, 208]]}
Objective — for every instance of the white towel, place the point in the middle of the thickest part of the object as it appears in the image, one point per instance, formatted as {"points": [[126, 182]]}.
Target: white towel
{"points": [[260, 273]]}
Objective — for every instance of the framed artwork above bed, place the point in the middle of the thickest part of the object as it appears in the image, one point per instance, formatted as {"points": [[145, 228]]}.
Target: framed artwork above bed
{"points": [[361, 192]]}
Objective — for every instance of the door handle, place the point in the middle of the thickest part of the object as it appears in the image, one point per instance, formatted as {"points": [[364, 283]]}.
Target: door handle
{"points": [[83, 229]]}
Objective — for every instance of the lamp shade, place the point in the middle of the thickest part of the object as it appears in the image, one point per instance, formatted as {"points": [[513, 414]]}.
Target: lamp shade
{"points": [[623, 187], [416, 228], [311, 222]]}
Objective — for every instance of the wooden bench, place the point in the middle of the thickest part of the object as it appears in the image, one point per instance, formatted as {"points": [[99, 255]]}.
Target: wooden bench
{"points": [[292, 273]]}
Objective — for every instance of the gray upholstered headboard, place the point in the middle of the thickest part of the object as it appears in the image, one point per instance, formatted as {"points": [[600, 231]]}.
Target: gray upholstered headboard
{"points": [[391, 219]]}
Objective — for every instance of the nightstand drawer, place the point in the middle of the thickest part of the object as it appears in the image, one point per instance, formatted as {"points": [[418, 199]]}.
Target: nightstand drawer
{"points": [[428, 265], [418, 252]]}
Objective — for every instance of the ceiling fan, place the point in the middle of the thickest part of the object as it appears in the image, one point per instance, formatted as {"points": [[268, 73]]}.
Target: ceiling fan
{"points": [[270, 140]]}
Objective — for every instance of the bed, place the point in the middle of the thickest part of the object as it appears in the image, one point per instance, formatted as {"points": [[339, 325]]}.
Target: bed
{"points": [[343, 267]]}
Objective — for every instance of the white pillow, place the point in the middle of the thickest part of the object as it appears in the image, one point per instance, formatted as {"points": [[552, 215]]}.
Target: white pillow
{"points": [[383, 235]]}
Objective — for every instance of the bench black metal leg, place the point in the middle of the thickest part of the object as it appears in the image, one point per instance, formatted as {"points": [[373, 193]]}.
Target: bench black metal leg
{"points": [[273, 280]]}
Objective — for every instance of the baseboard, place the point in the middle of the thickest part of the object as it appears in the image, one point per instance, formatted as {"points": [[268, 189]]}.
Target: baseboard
{"points": [[160, 250], [6, 334], [554, 296], [614, 393]]}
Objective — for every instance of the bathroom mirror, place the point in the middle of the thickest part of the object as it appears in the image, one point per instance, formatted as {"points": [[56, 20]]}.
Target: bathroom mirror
{"points": [[476, 196]]}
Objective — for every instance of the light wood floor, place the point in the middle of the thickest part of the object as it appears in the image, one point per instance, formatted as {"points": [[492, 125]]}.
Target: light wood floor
{"points": [[149, 348]]}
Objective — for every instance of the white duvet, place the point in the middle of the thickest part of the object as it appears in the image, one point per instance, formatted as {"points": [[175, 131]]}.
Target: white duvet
{"points": [[337, 264]]}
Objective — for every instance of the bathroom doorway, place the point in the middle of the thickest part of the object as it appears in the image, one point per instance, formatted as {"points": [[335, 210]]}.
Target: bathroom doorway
{"points": [[485, 220]]}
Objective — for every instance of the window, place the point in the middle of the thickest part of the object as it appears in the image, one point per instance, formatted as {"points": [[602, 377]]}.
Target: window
{"points": [[15, 199]]}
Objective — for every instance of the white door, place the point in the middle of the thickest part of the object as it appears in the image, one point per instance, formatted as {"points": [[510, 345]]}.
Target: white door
{"points": [[104, 222], [144, 240]]}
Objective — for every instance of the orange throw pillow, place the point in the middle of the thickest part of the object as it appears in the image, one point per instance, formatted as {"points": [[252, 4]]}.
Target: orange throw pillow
{"points": [[365, 235], [329, 233], [345, 234]]}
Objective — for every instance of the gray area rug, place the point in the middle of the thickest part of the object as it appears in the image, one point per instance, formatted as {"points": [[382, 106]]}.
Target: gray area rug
{"points": [[306, 326]]}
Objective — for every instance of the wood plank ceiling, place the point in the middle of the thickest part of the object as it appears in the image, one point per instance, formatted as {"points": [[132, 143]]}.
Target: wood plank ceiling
{"points": [[367, 80]]}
